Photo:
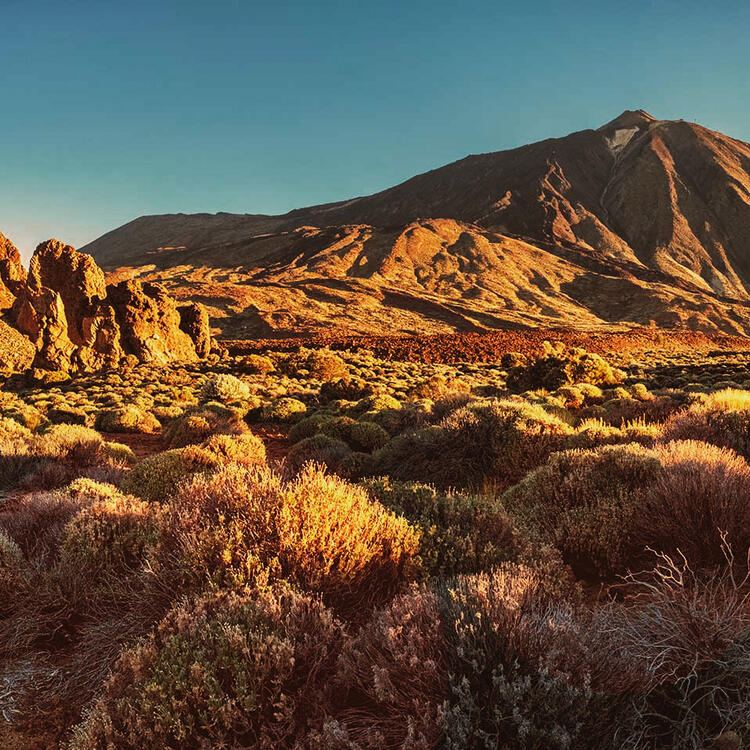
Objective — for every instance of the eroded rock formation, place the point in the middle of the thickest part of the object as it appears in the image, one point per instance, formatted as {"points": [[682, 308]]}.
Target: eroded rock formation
{"points": [[75, 322]]}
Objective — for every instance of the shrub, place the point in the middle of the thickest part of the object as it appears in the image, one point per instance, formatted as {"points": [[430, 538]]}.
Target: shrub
{"points": [[257, 364], [603, 508], [65, 414], [592, 433], [458, 533], [437, 387], [356, 465], [324, 534], [583, 502], [338, 542], [126, 419], [110, 536], [12, 568], [721, 418], [338, 428], [154, 478], [196, 425], [285, 409], [395, 670], [561, 365], [320, 449], [316, 364], [689, 637], [246, 449], [226, 671], [308, 426], [488, 440], [349, 389], [699, 500], [224, 388], [502, 694], [375, 402], [367, 436]]}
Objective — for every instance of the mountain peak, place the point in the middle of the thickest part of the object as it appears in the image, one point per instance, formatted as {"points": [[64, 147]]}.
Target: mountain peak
{"points": [[630, 118]]}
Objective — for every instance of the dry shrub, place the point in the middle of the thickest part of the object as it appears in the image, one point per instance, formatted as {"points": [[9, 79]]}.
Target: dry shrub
{"points": [[156, 477], [655, 409], [126, 419], [701, 497], [196, 425], [562, 365], [458, 533], [318, 531], [232, 670], [498, 629], [689, 636], [602, 508], [722, 418], [54, 457], [321, 449], [497, 440], [79, 593], [392, 682], [314, 364], [584, 503], [592, 433], [225, 389], [335, 540]]}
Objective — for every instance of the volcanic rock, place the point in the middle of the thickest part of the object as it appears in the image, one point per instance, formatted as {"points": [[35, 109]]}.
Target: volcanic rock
{"points": [[16, 351], [12, 272], [194, 321], [75, 276], [149, 323]]}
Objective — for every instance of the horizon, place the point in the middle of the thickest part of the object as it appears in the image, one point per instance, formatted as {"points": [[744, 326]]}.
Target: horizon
{"points": [[279, 108]]}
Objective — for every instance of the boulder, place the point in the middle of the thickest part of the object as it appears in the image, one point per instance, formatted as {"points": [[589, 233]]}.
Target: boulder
{"points": [[75, 276], [194, 321], [149, 323], [41, 316], [16, 351], [12, 272], [77, 323]]}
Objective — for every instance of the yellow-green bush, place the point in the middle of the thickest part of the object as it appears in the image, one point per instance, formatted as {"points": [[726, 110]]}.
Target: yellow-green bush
{"points": [[126, 419], [497, 441], [561, 365], [458, 533], [320, 532], [721, 418], [232, 670], [224, 388]]}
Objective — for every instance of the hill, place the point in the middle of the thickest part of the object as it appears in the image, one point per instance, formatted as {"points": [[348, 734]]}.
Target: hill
{"points": [[638, 221]]}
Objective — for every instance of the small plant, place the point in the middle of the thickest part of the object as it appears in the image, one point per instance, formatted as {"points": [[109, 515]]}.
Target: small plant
{"points": [[224, 388], [561, 365], [126, 419], [256, 663]]}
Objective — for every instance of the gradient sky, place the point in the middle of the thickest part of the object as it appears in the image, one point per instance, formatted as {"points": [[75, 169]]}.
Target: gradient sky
{"points": [[111, 110]]}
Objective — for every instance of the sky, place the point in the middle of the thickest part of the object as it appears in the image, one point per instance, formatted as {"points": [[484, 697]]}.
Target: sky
{"points": [[112, 110]]}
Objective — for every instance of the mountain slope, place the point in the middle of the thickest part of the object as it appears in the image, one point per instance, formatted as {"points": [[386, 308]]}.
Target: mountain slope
{"points": [[655, 212]]}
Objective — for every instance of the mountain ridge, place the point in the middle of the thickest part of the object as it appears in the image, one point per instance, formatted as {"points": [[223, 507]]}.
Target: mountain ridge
{"points": [[664, 204]]}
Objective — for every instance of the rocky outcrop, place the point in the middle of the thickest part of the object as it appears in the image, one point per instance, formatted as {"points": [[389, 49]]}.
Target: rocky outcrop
{"points": [[194, 321], [75, 322], [149, 323], [16, 351], [41, 316], [12, 272], [75, 276]]}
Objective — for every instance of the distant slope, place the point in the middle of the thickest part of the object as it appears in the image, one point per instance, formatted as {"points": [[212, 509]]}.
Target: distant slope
{"points": [[654, 212]]}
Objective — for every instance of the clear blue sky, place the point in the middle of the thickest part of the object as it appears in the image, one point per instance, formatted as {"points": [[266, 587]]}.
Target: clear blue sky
{"points": [[111, 110]]}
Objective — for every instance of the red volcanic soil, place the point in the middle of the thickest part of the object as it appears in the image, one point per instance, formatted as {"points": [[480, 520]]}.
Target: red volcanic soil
{"points": [[489, 347]]}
